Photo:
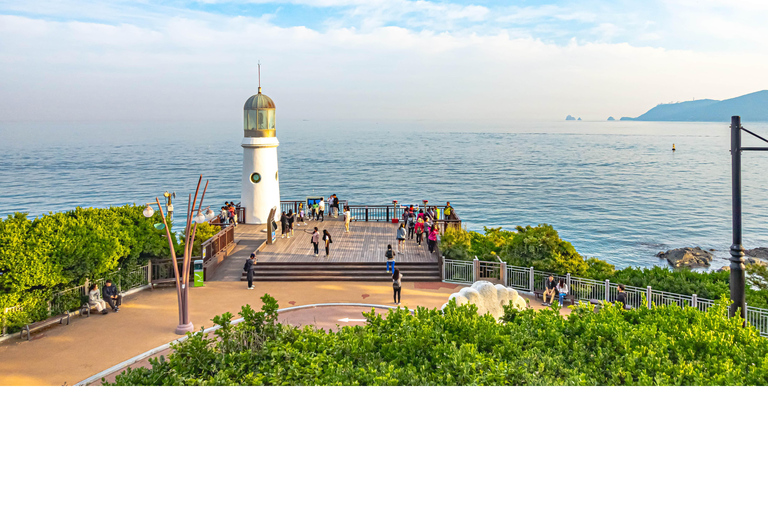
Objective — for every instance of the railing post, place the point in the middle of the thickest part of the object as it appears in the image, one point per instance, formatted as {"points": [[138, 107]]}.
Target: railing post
{"points": [[530, 280], [648, 292], [504, 278], [475, 269], [568, 282], [694, 300], [387, 213], [366, 214], [607, 290]]}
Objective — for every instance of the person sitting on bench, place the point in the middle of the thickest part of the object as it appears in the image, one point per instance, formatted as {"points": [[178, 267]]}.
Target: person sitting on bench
{"points": [[562, 291], [94, 300], [549, 290], [110, 294]]}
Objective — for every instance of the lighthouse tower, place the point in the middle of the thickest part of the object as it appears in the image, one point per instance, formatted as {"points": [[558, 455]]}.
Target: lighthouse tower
{"points": [[261, 188]]}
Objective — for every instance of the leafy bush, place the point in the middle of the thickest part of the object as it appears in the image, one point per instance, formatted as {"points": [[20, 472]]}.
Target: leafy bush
{"points": [[542, 248], [60, 250], [659, 346]]}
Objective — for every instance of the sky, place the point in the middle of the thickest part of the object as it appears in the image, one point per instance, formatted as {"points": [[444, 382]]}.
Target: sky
{"points": [[391, 60]]}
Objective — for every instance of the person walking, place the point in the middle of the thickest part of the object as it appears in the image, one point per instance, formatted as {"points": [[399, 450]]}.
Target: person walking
{"points": [[321, 211], [328, 242], [283, 225], [291, 219], [94, 299], [316, 240], [562, 291], [432, 239], [419, 230], [397, 285], [335, 205], [401, 238], [232, 216], [248, 269], [224, 216], [390, 255], [411, 223], [111, 296], [347, 218]]}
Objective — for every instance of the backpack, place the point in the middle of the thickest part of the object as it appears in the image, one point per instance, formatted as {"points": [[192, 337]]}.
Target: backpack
{"points": [[410, 221], [389, 254]]}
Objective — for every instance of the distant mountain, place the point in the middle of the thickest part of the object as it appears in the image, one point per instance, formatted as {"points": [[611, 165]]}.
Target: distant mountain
{"points": [[570, 118], [611, 118], [751, 107]]}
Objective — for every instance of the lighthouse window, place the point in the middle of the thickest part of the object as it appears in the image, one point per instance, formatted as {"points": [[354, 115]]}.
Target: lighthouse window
{"points": [[262, 125], [251, 123], [271, 119], [255, 177]]}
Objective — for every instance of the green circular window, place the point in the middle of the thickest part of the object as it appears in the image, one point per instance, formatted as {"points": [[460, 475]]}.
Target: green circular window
{"points": [[255, 177], [275, 175]]}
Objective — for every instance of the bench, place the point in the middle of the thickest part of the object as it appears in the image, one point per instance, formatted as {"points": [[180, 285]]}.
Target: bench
{"points": [[45, 323], [539, 294]]}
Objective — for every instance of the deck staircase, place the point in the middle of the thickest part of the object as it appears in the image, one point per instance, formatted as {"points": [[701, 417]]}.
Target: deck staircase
{"points": [[342, 271]]}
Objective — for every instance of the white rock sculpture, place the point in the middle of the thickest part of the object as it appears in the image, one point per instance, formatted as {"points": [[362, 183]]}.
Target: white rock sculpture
{"points": [[488, 298]]}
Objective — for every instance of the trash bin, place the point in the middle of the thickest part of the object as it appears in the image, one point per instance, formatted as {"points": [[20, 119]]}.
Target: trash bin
{"points": [[199, 273]]}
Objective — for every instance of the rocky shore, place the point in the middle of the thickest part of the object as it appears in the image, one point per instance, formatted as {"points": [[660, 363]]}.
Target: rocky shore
{"points": [[696, 257]]}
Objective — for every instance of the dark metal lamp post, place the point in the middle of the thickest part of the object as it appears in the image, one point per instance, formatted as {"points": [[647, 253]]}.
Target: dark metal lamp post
{"points": [[738, 269]]}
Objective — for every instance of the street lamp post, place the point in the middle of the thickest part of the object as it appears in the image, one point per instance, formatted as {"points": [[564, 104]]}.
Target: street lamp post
{"points": [[182, 281], [738, 277]]}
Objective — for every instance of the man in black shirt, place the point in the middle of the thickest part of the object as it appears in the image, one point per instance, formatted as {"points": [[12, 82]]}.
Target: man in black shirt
{"points": [[110, 295], [621, 296], [248, 269], [549, 290]]}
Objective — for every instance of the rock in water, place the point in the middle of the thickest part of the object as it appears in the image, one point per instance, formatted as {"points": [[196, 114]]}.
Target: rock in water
{"points": [[689, 257], [758, 252]]}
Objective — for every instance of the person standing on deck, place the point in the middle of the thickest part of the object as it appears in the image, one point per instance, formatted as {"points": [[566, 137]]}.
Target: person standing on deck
{"points": [[321, 211], [411, 223], [432, 239], [347, 218], [248, 269], [283, 224], [301, 214], [401, 238], [291, 219], [316, 240], [397, 285], [390, 255], [335, 205], [328, 242], [419, 230]]}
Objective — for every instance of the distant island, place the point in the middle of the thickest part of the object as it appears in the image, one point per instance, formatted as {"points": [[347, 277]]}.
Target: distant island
{"points": [[611, 118], [570, 118], [751, 107]]}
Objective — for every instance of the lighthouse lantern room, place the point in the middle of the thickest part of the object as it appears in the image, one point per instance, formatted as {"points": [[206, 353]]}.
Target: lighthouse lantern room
{"points": [[261, 187]]}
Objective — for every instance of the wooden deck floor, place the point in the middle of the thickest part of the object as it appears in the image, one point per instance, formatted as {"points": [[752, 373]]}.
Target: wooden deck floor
{"points": [[366, 242]]}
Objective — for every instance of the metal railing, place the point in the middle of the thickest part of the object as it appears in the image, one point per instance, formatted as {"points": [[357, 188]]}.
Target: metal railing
{"points": [[70, 299], [380, 213], [527, 279]]}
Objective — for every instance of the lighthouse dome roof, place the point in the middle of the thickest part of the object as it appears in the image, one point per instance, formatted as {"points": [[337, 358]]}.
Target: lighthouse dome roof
{"points": [[259, 101]]}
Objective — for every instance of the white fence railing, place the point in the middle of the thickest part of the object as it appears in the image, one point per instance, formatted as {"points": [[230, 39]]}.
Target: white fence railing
{"points": [[530, 280]]}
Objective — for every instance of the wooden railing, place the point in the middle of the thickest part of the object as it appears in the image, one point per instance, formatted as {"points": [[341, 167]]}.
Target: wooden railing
{"points": [[218, 243]]}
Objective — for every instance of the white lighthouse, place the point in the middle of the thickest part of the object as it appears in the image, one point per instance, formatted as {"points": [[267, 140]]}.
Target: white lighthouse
{"points": [[261, 187]]}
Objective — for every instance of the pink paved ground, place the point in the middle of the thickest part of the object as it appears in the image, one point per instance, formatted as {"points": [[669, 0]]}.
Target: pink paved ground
{"points": [[65, 355]]}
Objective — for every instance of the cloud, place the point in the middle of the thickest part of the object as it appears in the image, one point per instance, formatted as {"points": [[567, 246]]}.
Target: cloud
{"points": [[172, 62]]}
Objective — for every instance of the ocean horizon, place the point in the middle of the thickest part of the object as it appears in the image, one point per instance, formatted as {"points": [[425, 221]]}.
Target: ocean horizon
{"points": [[615, 190]]}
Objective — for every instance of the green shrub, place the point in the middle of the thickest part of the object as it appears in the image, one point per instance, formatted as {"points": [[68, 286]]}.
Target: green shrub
{"points": [[660, 346]]}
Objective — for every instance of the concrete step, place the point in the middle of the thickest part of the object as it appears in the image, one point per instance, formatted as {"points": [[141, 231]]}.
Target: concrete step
{"points": [[342, 271]]}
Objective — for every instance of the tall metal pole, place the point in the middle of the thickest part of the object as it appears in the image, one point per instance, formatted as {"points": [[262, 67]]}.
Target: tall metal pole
{"points": [[738, 269]]}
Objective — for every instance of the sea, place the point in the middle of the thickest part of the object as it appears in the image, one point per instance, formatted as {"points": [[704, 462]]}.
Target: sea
{"points": [[614, 189]]}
